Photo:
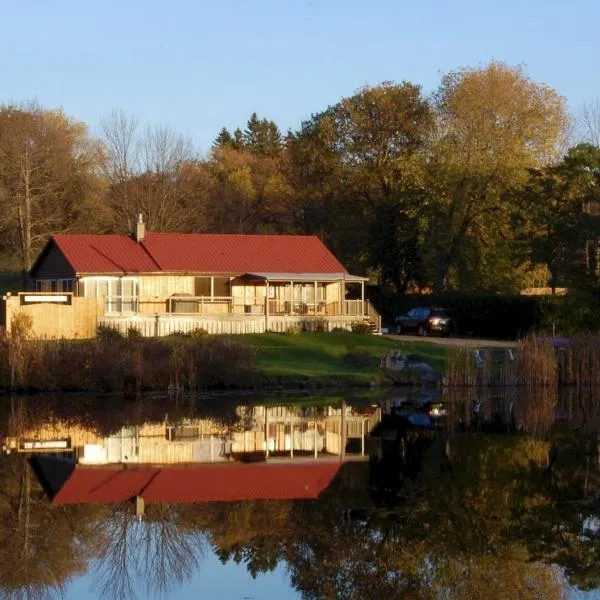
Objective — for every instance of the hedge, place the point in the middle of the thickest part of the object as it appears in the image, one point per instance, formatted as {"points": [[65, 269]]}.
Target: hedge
{"points": [[502, 316]]}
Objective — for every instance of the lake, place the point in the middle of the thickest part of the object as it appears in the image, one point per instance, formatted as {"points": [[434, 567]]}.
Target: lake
{"points": [[397, 495]]}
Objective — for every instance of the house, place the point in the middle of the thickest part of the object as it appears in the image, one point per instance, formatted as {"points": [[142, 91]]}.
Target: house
{"points": [[269, 432], [278, 453], [159, 283]]}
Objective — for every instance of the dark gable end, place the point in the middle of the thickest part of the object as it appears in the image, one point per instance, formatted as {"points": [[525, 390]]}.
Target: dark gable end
{"points": [[51, 264]]}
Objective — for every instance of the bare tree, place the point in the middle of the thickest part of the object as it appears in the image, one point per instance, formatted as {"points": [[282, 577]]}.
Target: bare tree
{"points": [[147, 171], [120, 132], [154, 552], [589, 122]]}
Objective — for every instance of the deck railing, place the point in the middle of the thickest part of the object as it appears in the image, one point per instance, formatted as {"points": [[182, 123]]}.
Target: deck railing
{"points": [[226, 305]]}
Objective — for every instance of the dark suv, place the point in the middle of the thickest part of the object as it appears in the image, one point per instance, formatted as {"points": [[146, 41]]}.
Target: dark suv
{"points": [[424, 320]]}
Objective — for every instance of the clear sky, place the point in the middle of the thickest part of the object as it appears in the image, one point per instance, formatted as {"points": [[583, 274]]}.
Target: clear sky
{"points": [[202, 64]]}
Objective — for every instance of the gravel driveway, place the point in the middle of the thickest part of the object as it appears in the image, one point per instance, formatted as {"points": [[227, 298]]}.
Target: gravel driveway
{"points": [[454, 341]]}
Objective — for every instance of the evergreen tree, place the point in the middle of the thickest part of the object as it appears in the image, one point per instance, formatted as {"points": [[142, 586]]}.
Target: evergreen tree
{"points": [[262, 137], [223, 139]]}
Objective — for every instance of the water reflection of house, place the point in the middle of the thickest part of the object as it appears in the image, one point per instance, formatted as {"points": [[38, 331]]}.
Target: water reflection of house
{"points": [[274, 431]]}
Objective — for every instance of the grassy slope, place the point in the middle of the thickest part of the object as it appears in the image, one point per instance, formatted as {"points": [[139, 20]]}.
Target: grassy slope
{"points": [[322, 354]]}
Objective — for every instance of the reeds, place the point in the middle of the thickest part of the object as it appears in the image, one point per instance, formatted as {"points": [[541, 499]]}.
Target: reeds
{"points": [[125, 365], [536, 363], [580, 362]]}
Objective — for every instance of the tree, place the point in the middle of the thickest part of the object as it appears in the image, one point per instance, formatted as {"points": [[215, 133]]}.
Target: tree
{"points": [[223, 139], [262, 137], [493, 125], [358, 170], [48, 176], [149, 172], [590, 123], [563, 228], [247, 193]]}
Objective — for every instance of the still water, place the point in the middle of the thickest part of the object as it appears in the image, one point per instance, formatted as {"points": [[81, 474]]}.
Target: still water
{"points": [[396, 496]]}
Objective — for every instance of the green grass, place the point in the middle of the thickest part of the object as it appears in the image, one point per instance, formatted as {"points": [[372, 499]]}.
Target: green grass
{"points": [[322, 354]]}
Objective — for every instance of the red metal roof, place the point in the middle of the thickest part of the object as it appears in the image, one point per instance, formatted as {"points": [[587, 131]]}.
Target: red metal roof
{"points": [[235, 481], [103, 485], [195, 253], [228, 482], [104, 253], [229, 253]]}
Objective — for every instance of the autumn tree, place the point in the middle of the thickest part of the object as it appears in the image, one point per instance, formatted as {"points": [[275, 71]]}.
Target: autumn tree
{"points": [[493, 125], [48, 176], [247, 193], [358, 169]]}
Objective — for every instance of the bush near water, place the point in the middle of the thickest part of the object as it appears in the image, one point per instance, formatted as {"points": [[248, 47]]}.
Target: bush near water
{"points": [[117, 364], [499, 316]]}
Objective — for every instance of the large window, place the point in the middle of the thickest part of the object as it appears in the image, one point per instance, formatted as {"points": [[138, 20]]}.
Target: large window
{"points": [[211, 287], [120, 293]]}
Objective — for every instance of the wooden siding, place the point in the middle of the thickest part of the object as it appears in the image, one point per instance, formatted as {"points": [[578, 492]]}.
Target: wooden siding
{"points": [[78, 319], [163, 286], [54, 266]]}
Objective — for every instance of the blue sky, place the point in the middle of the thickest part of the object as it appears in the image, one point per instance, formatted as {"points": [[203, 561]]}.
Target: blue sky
{"points": [[202, 64]]}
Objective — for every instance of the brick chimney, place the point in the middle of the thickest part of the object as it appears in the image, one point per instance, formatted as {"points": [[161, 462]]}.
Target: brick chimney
{"points": [[140, 228]]}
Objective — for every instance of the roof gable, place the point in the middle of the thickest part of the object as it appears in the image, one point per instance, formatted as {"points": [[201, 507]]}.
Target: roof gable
{"points": [[106, 254], [194, 253]]}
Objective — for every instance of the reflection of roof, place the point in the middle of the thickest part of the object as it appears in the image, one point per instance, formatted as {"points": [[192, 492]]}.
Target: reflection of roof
{"points": [[227, 482], [195, 253]]}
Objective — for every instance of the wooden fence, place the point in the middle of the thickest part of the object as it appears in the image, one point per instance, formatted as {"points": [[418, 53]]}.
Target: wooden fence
{"points": [[54, 316]]}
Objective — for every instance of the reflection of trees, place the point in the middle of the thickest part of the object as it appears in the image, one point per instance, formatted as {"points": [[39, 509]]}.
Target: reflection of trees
{"points": [[469, 529], [43, 547], [153, 550]]}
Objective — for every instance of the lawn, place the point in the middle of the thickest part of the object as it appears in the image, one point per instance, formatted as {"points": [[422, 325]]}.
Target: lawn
{"points": [[323, 354]]}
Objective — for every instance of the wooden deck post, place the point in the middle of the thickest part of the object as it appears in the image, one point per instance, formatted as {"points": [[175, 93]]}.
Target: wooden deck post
{"points": [[315, 436], [362, 437], [362, 298], [343, 431], [292, 439], [267, 305], [266, 431]]}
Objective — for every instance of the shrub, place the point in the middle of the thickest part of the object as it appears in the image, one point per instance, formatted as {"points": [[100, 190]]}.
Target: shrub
{"points": [[106, 333], [197, 333], [133, 333], [360, 360], [362, 327], [317, 324]]}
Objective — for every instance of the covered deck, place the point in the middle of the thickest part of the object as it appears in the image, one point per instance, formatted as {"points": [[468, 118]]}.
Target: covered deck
{"points": [[253, 303]]}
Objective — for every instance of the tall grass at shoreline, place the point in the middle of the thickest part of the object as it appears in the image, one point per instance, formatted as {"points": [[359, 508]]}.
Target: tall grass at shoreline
{"points": [[130, 365]]}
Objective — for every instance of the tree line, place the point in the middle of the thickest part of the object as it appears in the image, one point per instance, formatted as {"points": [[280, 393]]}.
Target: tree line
{"points": [[473, 187]]}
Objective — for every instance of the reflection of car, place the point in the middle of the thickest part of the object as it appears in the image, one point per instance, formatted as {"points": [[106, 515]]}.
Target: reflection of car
{"points": [[425, 320]]}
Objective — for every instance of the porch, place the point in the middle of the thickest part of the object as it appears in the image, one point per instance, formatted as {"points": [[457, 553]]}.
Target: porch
{"points": [[168, 323], [250, 303]]}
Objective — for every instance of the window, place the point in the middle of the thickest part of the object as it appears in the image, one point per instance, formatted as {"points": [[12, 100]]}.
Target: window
{"points": [[221, 286], [120, 294], [202, 286], [54, 285]]}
